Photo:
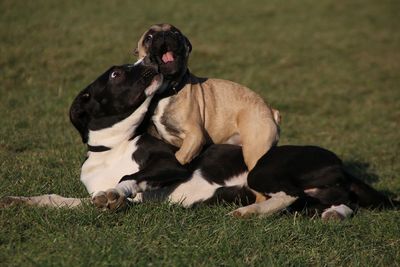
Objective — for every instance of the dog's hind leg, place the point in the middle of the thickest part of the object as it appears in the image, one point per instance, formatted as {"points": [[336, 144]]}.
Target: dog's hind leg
{"points": [[191, 145], [258, 133], [52, 200], [277, 202], [336, 212]]}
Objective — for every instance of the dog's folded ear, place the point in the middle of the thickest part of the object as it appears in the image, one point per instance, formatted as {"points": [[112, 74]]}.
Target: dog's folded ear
{"points": [[81, 121], [78, 116], [188, 45]]}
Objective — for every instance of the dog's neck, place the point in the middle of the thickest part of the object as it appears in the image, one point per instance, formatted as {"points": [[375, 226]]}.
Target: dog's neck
{"points": [[171, 87], [177, 85], [111, 137]]}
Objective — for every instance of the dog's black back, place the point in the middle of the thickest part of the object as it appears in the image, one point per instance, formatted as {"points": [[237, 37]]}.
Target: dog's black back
{"points": [[316, 175]]}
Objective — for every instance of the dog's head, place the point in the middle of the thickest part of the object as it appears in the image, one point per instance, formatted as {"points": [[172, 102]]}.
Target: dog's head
{"points": [[113, 96], [166, 46]]}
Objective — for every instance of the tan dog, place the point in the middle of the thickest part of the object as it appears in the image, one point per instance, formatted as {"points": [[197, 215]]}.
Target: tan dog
{"points": [[194, 111]]}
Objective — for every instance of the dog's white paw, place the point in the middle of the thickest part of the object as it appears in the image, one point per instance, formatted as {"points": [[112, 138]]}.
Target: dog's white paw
{"points": [[336, 213], [243, 212], [111, 199], [332, 216]]}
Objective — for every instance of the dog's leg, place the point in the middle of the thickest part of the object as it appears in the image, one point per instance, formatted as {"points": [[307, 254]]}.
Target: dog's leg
{"points": [[117, 198], [257, 138], [192, 144], [160, 172], [259, 196], [54, 201], [338, 213], [277, 202]]}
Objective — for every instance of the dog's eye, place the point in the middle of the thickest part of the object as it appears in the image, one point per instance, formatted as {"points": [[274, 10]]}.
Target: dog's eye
{"points": [[148, 38], [114, 74]]}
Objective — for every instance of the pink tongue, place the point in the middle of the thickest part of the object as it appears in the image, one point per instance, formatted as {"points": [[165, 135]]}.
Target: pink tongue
{"points": [[168, 57]]}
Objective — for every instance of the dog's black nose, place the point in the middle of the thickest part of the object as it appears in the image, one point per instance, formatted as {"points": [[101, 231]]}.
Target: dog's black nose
{"points": [[85, 96]]}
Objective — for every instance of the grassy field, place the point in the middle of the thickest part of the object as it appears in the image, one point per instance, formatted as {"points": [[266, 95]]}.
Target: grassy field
{"points": [[331, 67]]}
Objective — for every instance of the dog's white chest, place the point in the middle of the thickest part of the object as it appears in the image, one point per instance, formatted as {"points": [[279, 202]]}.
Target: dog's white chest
{"points": [[103, 170], [157, 119]]}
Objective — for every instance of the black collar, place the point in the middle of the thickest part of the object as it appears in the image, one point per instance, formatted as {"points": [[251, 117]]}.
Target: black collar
{"points": [[98, 148], [175, 86]]}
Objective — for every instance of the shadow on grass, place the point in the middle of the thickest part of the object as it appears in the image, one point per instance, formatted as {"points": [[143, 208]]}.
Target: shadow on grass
{"points": [[361, 171]]}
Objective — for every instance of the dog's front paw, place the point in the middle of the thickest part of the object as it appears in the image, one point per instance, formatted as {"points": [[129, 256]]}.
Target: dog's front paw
{"points": [[111, 199]]}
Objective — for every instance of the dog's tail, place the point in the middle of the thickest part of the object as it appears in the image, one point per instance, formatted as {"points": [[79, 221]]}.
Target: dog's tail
{"points": [[368, 196]]}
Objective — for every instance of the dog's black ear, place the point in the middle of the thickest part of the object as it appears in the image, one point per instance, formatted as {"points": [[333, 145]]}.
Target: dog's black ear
{"points": [[79, 117], [84, 132], [85, 137], [188, 45], [80, 122]]}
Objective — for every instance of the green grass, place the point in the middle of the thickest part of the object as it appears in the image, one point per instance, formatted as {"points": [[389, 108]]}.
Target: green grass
{"points": [[331, 67]]}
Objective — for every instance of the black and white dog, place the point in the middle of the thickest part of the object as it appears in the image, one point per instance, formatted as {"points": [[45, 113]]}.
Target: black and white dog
{"points": [[124, 163]]}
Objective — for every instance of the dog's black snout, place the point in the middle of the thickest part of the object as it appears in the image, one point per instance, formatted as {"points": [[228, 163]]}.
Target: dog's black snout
{"points": [[164, 38], [85, 97]]}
